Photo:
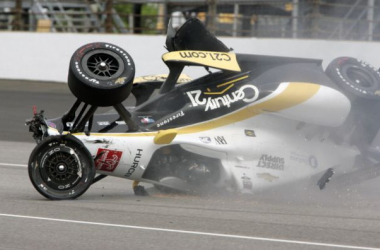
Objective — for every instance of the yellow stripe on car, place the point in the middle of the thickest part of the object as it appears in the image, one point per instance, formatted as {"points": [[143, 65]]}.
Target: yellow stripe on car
{"points": [[224, 84], [294, 94], [165, 136], [183, 78]]}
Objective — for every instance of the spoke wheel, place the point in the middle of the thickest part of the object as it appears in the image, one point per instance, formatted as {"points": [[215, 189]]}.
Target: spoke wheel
{"points": [[101, 74], [102, 64], [357, 79], [61, 167]]}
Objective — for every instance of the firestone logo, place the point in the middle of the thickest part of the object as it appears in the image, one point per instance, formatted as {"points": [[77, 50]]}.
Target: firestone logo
{"points": [[212, 103]]}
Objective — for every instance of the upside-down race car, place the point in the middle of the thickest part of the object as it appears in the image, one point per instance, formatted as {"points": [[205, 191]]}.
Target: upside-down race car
{"points": [[251, 123]]}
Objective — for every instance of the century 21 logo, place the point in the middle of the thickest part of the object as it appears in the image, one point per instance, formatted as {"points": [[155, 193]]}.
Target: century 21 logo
{"points": [[216, 56], [212, 103]]}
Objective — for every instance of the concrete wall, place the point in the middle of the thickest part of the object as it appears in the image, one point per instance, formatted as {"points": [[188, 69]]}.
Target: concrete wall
{"points": [[46, 56]]}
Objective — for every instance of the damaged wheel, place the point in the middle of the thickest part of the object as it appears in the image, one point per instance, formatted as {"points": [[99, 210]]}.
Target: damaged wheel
{"points": [[355, 77], [61, 167], [101, 74]]}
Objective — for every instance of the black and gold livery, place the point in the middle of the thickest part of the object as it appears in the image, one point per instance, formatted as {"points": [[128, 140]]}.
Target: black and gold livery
{"points": [[175, 101], [173, 107]]}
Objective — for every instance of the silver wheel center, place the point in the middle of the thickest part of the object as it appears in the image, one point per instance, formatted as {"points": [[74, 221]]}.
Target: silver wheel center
{"points": [[102, 66], [61, 168]]}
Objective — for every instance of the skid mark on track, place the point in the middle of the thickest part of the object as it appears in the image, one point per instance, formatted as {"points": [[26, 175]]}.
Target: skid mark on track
{"points": [[241, 237]]}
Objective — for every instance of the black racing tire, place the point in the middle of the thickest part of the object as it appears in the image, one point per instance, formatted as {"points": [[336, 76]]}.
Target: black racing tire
{"points": [[101, 74], [356, 78], [61, 168]]}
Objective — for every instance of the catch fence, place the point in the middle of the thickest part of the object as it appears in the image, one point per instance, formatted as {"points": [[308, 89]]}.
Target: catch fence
{"points": [[315, 19]]}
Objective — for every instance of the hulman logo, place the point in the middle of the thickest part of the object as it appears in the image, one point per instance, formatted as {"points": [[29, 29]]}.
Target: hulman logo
{"points": [[272, 162], [107, 160], [135, 163], [212, 103]]}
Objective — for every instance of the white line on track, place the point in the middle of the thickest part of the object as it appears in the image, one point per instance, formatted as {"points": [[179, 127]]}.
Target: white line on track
{"points": [[13, 165], [192, 232]]}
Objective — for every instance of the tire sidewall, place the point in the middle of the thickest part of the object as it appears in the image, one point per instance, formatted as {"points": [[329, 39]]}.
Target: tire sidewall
{"points": [[97, 90], [35, 167], [338, 70]]}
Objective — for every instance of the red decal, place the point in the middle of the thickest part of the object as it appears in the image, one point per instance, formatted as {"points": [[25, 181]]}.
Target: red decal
{"points": [[108, 160], [81, 51], [342, 60]]}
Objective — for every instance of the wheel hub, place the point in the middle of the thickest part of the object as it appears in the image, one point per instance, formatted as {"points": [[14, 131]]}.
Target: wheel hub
{"points": [[360, 77], [61, 168], [103, 65]]}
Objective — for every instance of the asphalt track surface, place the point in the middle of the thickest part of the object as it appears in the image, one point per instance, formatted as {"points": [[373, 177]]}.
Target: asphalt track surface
{"points": [[109, 216]]}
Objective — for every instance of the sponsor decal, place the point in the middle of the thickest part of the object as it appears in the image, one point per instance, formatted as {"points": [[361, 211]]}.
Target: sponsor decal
{"points": [[135, 163], [157, 78], [313, 162], [220, 140], [267, 177], [51, 124], [215, 56], [310, 160], [226, 100], [205, 139], [70, 124], [120, 51], [272, 162], [249, 133], [103, 123], [220, 60], [168, 120], [120, 80], [93, 80], [81, 51], [146, 119], [247, 183], [108, 160], [161, 78]]}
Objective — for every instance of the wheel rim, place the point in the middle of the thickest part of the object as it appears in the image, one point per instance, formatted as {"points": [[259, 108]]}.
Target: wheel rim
{"points": [[360, 77], [102, 64], [61, 168]]}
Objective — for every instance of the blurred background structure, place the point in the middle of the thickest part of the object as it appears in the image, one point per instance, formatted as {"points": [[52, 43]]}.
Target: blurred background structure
{"points": [[311, 19]]}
